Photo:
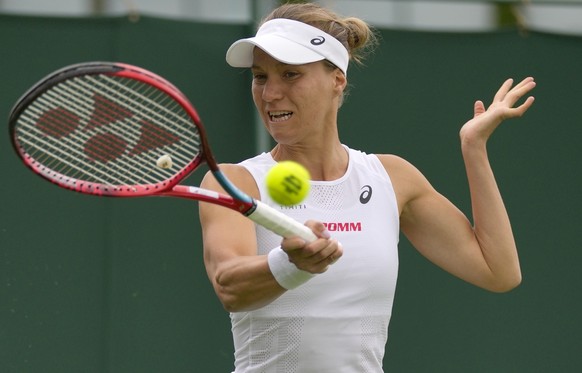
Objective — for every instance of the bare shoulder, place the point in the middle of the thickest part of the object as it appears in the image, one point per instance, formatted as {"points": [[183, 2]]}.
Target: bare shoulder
{"points": [[409, 183], [237, 174], [400, 170], [394, 163], [215, 220]]}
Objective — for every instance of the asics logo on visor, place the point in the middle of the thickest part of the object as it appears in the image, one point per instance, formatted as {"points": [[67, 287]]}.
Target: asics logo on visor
{"points": [[318, 40]]}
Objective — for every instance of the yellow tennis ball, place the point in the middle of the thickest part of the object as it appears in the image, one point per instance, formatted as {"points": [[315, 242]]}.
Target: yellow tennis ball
{"points": [[288, 183]]}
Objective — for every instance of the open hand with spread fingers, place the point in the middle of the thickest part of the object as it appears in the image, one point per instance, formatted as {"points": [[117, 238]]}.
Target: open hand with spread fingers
{"points": [[486, 120]]}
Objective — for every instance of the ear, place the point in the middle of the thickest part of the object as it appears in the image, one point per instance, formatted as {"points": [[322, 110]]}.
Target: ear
{"points": [[340, 81]]}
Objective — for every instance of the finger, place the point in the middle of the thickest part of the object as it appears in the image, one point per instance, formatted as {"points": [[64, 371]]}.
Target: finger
{"points": [[478, 108], [502, 92], [292, 243], [318, 229], [328, 262], [521, 109], [299, 250], [337, 254], [331, 254], [511, 100], [524, 82], [521, 90]]}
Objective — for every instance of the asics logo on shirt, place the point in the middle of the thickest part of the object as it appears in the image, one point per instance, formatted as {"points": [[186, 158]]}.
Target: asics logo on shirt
{"points": [[366, 194]]}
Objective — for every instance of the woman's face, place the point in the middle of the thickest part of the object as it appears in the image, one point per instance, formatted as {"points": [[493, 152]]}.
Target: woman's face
{"points": [[296, 102]]}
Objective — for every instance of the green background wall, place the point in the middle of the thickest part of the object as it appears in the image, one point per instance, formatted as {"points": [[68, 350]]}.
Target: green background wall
{"points": [[111, 285]]}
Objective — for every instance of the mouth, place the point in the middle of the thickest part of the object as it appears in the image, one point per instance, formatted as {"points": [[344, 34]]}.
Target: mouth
{"points": [[279, 116]]}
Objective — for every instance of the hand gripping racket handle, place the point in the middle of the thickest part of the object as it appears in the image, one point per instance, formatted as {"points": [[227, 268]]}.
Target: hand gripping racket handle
{"points": [[280, 223]]}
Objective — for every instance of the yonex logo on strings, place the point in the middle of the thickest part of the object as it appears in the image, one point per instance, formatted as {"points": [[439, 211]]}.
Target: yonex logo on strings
{"points": [[103, 146]]}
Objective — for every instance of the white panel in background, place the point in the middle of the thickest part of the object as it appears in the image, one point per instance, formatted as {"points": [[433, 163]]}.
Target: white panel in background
{"points": [[205, 10], [419, 15], [49, 8], [470, 15], [566, 19]]}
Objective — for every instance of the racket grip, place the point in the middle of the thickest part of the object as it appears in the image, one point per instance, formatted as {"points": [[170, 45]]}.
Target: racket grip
{"points": [[280, 223]]}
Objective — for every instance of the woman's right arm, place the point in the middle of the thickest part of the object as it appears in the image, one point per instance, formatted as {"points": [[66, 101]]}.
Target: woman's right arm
{"points": [[241, 278]]}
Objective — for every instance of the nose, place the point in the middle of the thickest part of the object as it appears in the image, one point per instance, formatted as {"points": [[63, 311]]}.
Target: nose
{"points": [[272, 90]]}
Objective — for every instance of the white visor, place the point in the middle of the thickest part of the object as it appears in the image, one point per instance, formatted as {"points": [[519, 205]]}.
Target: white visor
{"points": [[290, 42]]}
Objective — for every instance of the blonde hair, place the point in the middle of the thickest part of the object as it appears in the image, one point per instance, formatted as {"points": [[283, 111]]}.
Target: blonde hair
{"points": [[355, 34]]}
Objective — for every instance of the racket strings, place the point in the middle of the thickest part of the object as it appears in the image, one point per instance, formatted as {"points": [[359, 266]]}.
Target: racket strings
{"points": [[108, 130], [164, 112], [62, 154], [65, 155]]}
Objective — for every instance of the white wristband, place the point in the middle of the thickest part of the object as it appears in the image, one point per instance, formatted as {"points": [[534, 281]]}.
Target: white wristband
{"points": [[285, 272]]}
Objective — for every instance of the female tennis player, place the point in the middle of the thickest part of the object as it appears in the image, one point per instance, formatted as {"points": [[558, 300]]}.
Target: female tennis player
{"points": [[325, 306]]}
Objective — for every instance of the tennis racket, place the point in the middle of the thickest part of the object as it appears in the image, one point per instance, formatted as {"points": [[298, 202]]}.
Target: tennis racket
{"points": [[116, 130]]}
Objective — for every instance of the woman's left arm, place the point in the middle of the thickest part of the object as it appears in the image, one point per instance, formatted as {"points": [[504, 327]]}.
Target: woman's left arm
{"points": [[485, 253], [490, 220]]}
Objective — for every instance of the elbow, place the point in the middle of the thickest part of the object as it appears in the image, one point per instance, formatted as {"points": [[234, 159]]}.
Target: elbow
{"points": [[230, 306], [514, 283], [237, 298], [507, 284], [236, 303], [228, 300], [233, 297], [232, 303], [226, 295]]}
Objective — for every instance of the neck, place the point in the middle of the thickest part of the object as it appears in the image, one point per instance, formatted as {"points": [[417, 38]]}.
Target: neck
{"points": [[324, 162]]}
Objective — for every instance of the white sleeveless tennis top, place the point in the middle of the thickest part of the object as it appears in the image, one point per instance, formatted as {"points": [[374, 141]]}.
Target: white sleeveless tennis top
{"points": [[338, 321]]}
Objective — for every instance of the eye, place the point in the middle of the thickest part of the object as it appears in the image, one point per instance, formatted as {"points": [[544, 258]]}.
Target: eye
{"points": [[259, 78], [289, 75]]}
